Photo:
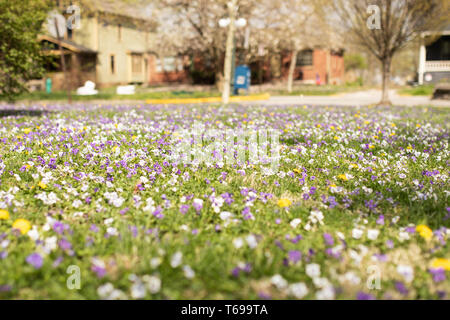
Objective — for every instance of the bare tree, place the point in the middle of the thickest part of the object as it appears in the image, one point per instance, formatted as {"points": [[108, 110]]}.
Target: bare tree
{"points": [[383, 27]]}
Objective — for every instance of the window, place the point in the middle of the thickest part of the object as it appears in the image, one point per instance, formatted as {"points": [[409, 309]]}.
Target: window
{"points": [[305, 58], [136, 63], [158, 66], [119, 32], [169, 64], [112, 64]]}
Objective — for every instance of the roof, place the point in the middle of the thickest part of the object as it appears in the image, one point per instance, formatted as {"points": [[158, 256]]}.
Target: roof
{"points": [[119, 7], [67, 44], [445, 31]]}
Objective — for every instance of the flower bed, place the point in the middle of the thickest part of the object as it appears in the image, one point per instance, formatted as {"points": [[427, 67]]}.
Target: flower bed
{"points": [[94, 205]]}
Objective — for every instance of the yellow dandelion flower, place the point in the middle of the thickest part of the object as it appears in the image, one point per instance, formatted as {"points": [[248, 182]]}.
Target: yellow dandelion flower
{"points": [[343, 177], [318, 125], [371, 146], [297, 171], [42, 185], [283, 203], [22, 225], [4, 214], [424, 231], [418, 125], [441, 263], [26, 130]]}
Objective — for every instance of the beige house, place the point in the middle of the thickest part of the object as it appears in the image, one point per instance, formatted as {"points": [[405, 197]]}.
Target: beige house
{"points": [[113, 46]]}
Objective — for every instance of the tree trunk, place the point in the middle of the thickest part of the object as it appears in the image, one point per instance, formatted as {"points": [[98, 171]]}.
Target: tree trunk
{"points": [[386, 65], [291, 70]]}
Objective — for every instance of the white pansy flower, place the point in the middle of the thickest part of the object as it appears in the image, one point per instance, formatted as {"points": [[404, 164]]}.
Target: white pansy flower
{"points": [[176, 259], [313, 270], [298, 290], [279, 282]]}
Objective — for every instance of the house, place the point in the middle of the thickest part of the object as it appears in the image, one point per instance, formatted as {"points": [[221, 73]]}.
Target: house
{"points": [[434, 57], [113, 46], [312, 64]]}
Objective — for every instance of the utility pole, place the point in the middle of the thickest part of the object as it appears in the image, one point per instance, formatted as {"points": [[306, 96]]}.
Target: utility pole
{"points": [[63, 61], [229, 51]]}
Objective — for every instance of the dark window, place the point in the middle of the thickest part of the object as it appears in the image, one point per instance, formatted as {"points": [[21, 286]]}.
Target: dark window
{"points": [[119, 32], [305, 58], [113, 64]]}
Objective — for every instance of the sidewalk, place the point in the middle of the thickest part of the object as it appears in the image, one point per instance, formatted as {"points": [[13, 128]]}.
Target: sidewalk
{"points": [[359, 98]]}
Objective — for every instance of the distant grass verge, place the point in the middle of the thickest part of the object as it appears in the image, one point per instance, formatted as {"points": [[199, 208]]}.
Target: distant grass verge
{"points": [[425, 90]]}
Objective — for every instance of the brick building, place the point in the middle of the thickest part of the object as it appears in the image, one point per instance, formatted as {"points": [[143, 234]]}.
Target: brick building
{"points": [[326, 64]]}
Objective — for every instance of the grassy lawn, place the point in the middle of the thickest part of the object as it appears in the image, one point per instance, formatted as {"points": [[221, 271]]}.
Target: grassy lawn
{"points": [[145, 94], [425, 90], [357, 207], [109, 94]]}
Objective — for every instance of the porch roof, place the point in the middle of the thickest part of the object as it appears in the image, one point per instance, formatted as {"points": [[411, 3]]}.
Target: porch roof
{"points": [[67, 45]]}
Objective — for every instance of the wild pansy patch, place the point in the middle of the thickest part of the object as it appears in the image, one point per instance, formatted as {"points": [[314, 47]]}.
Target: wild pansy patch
{"points": [[296, 202]]}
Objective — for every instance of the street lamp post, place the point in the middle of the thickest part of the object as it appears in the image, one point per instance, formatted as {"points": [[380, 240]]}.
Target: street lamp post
{"points": [[231, 23]]}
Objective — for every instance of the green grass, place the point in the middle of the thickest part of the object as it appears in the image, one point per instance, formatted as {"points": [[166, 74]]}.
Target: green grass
{"points": [[108, 94], [424, 90]]}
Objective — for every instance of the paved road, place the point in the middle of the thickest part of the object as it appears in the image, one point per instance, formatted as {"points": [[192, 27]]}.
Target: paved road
{"points": [[359, 98]]}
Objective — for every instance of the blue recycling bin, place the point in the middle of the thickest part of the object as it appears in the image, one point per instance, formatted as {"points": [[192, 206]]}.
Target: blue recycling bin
{"points": [[242, 76]]}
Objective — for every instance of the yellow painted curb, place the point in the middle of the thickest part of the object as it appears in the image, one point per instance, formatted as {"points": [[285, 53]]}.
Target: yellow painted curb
{"points": [[208, 99]]}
